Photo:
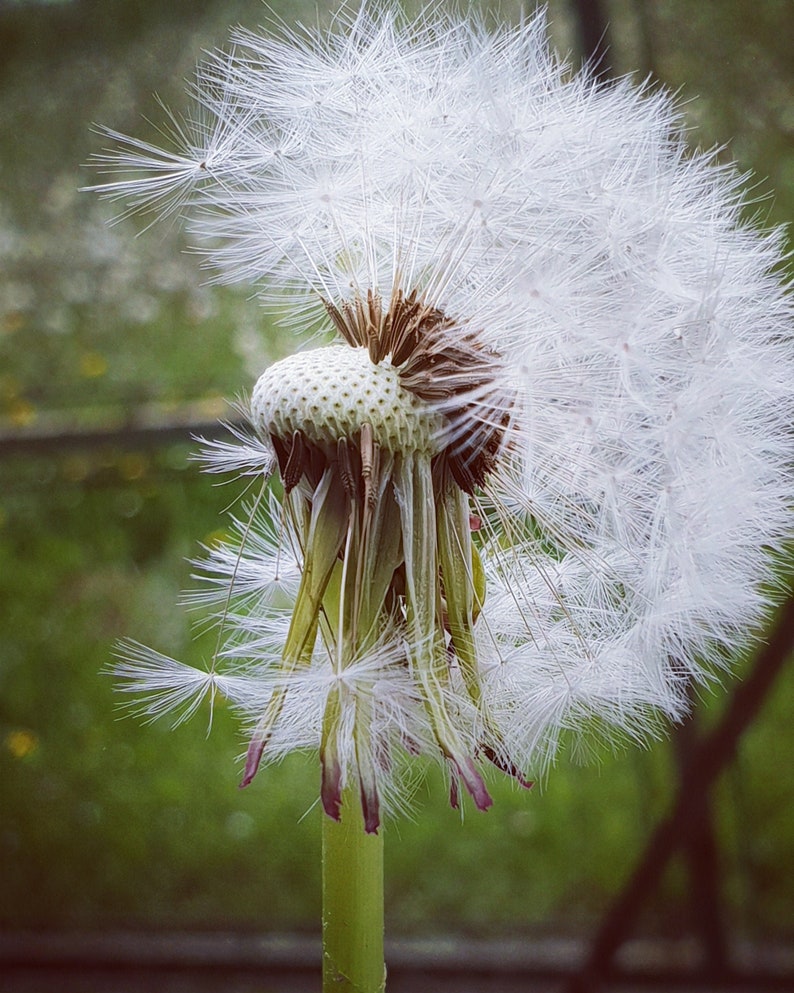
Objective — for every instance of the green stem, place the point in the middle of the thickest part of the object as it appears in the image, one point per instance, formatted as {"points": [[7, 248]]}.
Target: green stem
{"points": [[352, 903]]}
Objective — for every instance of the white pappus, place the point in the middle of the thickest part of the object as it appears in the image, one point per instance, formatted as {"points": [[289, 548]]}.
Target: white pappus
{"points": [[537, 481]]}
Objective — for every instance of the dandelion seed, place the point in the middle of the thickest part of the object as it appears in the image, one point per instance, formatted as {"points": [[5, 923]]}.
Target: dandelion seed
{"points": [[535, 483]]}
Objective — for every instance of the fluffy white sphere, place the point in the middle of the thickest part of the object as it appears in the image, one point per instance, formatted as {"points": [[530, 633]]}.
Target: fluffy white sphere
{"points": [[643, 334]]}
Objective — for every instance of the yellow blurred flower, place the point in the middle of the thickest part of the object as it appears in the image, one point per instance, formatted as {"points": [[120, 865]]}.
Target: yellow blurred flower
{"points": [[21, 743], [21, 412], [93, 365]]}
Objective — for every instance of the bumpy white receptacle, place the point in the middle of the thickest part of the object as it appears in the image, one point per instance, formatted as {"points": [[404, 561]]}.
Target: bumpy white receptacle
{"points": [[329, 393]]}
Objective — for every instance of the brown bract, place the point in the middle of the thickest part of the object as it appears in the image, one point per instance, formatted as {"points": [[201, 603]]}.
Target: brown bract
{"points": [[444, 365]]}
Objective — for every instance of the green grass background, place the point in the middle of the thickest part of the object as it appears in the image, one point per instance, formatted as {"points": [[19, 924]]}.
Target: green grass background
{"points": [[105, 823]]}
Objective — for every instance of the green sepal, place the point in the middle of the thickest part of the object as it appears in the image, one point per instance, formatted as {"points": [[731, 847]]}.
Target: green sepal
{"points": [[328, 523], [415, 498], [456, 558]]}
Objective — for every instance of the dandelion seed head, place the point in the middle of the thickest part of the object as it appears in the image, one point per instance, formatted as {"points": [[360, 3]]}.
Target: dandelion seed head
{"points": [[550, 316]]}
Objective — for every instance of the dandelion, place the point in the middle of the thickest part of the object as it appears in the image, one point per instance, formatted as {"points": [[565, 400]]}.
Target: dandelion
{"points": [[533, 477]]}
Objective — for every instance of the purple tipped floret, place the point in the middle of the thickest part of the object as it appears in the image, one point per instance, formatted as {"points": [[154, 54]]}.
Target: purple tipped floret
{"points": [[331, 788], [370, 806], [252, 759], [473, 781], [507, 767]]}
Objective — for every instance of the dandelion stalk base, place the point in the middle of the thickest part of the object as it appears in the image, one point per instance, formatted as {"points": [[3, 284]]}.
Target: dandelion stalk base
{"points": [[352, 903]]}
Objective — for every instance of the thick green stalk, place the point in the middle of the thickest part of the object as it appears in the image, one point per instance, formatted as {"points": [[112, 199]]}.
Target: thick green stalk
{"points": [[352, 903]]}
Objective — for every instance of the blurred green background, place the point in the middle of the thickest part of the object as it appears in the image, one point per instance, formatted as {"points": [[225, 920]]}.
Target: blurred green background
{"points": [[104, 823]]}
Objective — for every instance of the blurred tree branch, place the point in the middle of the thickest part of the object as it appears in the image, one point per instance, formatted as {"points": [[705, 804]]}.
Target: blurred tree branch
{"points": [[707, 760], [592, 31]]}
